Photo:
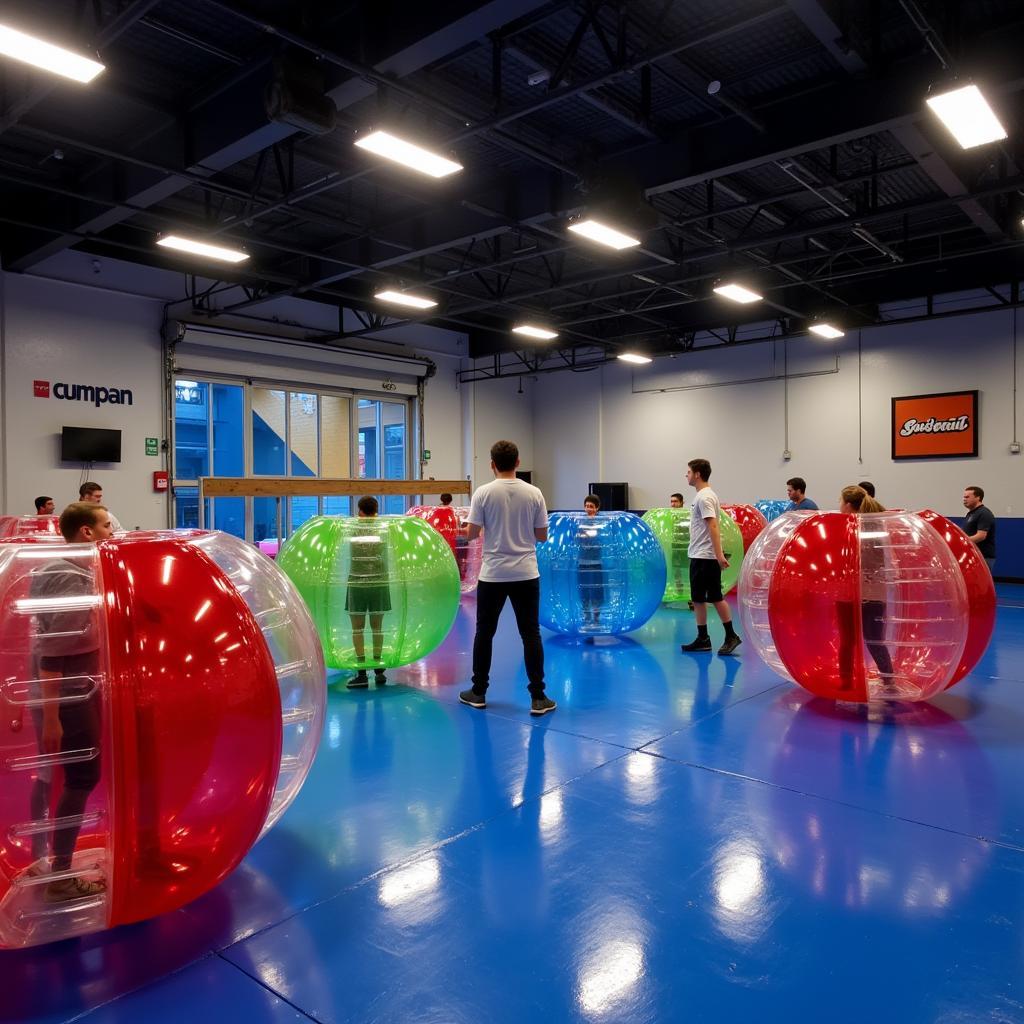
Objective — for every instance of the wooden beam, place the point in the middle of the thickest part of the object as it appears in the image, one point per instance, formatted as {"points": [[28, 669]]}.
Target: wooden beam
{"points": [[306, 487]]}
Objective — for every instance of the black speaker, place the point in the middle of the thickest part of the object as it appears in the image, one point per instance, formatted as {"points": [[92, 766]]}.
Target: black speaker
{"points": [[525, 474], [614, 497]]}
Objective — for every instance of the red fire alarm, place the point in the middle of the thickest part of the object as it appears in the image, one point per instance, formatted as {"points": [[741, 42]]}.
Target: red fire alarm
{"points": [[160, 480]]}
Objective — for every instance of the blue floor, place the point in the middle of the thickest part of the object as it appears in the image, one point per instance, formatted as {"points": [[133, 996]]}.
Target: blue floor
{"points": [[686, 839]]}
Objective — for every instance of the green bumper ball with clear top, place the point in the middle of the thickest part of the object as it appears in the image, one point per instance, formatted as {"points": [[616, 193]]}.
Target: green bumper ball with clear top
{"points": [[383, 591], [672, 528]]}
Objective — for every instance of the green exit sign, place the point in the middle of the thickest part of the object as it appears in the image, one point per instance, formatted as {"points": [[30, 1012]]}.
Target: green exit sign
{"points": [[426, 454], [152, 446]]}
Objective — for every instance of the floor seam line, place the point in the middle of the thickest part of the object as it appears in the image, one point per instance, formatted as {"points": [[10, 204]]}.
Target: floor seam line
{"points": [[267, 988]]}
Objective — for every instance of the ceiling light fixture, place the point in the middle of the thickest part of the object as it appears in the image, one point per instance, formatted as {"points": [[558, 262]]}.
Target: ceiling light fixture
{"points": [[391, 147], [968, 116], [737, 293], [532, 331], [197, 248], [826, 331], [30, 50], [603, 234], [404, 299], [634, 357]]}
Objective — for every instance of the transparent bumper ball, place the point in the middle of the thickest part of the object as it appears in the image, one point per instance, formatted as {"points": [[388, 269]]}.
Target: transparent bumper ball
{"points": [[383, 591], [599, 575], [672, 528], [469, 554], [750, 521], [29, 526], [161, 699], [772, 508], [857, 608], [442, 518]]}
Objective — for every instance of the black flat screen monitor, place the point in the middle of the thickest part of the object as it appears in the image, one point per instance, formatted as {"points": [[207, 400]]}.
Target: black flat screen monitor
{"points": [[90, 444], [614, 497]]}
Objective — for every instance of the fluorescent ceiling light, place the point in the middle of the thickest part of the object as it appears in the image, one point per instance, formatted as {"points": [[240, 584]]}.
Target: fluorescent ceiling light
{"points": [[737, 293], [29, 50], [197, 248], [826, 331], [391, 147], [966, 113], [633, 357], [404, 299], [603, 234], [529, 331]]}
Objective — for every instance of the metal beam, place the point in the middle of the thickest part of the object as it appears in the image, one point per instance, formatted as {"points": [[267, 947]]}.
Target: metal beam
{"points": [[820, 24]]}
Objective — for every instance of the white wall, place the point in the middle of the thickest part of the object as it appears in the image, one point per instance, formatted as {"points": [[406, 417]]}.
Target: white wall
{"points": [[69, 333], [496, 411], [603, 424]]}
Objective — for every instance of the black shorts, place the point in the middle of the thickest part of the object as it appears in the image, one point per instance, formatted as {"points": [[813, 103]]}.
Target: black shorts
{"points": [[367, 598], [705, 580]]}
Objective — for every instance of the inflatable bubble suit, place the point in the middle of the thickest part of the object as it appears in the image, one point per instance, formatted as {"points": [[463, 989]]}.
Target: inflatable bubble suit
{"points": [[27, 526], [750, 521], [442, 518], [599, 575], [772, 508], [161, 702], [672, 528], [864, 607], [469, 554], [383, 590]]}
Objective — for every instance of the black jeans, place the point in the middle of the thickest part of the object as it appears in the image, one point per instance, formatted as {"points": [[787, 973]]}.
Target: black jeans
{"points": [[490, 599]]}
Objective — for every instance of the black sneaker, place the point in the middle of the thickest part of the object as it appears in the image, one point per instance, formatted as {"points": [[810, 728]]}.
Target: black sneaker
{"points": [[473, 699], [702, 643], [730, 645], [358, 681], [542, 706], [379, 677]]}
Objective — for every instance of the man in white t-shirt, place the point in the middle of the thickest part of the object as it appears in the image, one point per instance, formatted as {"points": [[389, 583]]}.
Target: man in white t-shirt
{"points": [[512, 516], [707, 560]]}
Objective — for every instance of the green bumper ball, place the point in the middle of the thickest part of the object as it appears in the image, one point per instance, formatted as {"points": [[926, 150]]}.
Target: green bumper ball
{"points": [[383, 591], [672, 528]]}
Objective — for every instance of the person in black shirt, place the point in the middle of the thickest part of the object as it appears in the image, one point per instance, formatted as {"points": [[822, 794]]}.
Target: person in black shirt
{"points": [[980, 525]]}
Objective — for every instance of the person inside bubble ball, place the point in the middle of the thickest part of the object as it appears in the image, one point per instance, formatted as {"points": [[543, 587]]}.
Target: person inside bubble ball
{"points": [[680, 542], [368, 595], [855, 500], [590, 566], [66, 711]]}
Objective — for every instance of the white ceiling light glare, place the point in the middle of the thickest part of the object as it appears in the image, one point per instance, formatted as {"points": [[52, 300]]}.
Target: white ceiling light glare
{"points": [[40, 54], [404, 299], [408, 154], [195, 247], [634, 357], [826, 331], [737, 293], [603, 234], [533, 331], [968, 116]]}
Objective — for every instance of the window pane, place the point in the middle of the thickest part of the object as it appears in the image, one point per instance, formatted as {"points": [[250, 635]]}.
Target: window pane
{"points": [[337, 506], [334, 438], [305, 458], [186, 508], [392, 416], [228, 450], [229, 515], [264, 519], [302, 509], [268, 450], [191, 440], [368, 461]]}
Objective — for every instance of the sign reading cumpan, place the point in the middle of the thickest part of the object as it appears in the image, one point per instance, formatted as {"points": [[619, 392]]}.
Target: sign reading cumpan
{"points": [[95, 393], [942, 426]]}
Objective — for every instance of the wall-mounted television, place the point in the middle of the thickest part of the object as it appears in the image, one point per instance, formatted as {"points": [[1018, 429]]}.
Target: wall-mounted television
{"points": [[90, 444]]}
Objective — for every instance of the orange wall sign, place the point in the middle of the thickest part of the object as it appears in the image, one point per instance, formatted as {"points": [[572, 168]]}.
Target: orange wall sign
{"points": [[935, 426]]}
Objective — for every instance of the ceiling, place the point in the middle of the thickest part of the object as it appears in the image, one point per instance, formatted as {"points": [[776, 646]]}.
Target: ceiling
{"points": [[782, 144]]}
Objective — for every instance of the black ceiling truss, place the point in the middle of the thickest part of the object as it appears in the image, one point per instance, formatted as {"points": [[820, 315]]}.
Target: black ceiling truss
{"points": [[786, 144]]}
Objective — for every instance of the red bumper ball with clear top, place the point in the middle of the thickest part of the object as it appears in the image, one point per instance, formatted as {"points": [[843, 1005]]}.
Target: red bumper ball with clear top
{"points": [[162, 698]]}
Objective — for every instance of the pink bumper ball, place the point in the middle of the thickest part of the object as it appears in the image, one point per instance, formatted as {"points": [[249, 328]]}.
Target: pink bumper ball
{"points": [[269, 547], [161, 701], [442, 518], [29, 526], [750, 520], [855, 607], [469, 554]]}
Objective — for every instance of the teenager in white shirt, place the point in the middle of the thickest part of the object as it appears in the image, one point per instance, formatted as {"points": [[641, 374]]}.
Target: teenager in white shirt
{"points": [[512, 516]]}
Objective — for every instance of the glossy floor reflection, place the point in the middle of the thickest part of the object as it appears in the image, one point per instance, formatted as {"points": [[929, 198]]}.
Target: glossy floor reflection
{"points": [[686, 838]]}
